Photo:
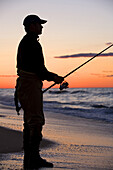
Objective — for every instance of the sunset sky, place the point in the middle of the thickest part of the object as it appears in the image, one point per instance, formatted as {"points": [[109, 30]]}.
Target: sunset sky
{"points": [[74, 27]]}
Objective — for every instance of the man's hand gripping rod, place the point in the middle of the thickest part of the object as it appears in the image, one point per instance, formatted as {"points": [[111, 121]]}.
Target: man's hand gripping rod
{"points": [[79, 67]]}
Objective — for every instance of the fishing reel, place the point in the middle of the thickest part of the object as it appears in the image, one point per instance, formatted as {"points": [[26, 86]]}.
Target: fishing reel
{"points": [[64, 85]]}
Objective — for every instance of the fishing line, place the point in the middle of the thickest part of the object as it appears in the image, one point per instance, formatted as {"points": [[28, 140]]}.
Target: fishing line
{"points": [[79, 67]]}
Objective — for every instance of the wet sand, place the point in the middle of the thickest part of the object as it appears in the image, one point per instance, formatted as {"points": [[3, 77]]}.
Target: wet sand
{"points": [[69, 143]]}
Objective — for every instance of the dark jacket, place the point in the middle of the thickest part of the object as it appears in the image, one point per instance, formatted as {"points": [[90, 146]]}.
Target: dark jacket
{"points": [[30, 58]]}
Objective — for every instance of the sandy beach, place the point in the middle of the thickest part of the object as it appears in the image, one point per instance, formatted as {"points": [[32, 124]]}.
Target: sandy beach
{"points": [[69, 143]]}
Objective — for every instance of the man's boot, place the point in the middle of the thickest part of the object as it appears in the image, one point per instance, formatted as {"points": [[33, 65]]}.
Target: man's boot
{"points": [[34, 160]]}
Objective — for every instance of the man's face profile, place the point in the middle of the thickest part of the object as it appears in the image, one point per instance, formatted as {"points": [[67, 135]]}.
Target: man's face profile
{"points": [[36, 28]]}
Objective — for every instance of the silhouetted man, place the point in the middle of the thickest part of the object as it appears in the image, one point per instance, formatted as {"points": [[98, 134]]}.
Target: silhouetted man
{"points": [[32, 71]]}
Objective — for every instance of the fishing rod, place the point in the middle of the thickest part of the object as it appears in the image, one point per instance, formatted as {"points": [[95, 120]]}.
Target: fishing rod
{"points": [[79, 66]]}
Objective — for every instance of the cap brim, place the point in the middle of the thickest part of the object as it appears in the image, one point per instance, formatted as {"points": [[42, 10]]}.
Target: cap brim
{"points": [[43, 21]]}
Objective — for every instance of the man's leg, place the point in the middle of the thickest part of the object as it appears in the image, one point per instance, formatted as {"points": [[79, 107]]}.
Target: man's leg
{"points": [[31, 99]]}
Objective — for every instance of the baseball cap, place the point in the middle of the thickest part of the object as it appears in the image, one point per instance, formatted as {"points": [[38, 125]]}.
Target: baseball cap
{"points": [[33, 19]]}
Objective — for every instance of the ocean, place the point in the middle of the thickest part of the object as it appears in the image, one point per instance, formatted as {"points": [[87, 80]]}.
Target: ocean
{"points": [[88, 103], [79, 123]]}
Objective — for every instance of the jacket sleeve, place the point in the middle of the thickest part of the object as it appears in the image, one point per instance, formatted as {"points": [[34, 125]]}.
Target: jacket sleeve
{"points": [[46, 75]]}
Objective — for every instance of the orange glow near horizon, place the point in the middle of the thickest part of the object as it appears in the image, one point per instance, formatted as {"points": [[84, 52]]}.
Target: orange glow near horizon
{"points": [[7, 82], [76, 81], [97, 73]]}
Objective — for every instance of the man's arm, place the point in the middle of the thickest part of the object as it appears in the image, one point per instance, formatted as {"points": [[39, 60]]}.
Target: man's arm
{"points": [[49, 76]]}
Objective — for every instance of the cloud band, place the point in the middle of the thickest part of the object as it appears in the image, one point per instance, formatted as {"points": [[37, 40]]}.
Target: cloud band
{"points": [[85, 55]]}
